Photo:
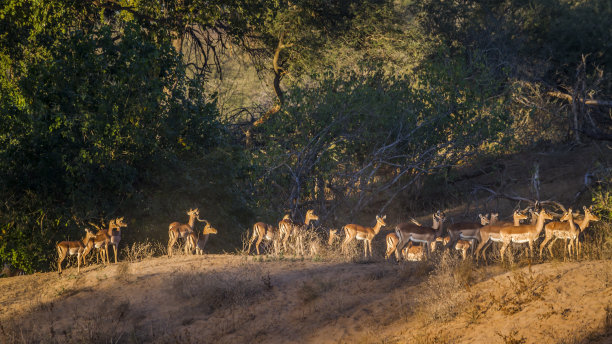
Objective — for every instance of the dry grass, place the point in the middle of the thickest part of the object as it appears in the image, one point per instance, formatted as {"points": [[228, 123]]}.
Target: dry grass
{"points": [[144, 250]]}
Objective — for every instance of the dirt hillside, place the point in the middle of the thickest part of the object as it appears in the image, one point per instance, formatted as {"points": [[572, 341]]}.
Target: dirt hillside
{"points": [[234, 299]]}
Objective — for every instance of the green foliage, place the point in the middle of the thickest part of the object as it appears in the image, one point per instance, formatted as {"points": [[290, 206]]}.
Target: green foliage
{"points": [[106, 119], [366, 134]]}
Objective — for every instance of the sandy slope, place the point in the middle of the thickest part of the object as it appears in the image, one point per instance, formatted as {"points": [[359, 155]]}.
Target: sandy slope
{"points": [[232, 299]]}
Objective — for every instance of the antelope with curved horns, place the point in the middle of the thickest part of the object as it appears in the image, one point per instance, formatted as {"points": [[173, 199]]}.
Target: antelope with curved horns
{"points": [[410, 232], [78, 248], [197, 243], [114, 231], [263, 231], [178, 230], [287, 228], [523, 233], [490, 232], [366, 234]]}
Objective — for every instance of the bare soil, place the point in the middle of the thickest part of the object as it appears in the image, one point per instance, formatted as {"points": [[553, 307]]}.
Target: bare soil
{"points": [[239, 299]]}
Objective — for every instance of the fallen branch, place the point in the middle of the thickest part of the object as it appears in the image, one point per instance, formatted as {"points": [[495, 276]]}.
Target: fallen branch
{"points": [[496, 194]]}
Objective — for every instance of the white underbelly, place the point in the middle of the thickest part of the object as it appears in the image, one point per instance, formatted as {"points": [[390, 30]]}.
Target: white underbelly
{"points": [[73, 251], [495, 238], [360, 237]]}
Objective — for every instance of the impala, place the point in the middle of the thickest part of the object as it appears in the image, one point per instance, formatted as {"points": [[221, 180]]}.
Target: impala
{"points": [[287, 228], [353, 231], [114, 231], [560, 230], [409, 252], [490, 232], [263, 231], [197, 243], [582, 225], [78, 248], [523, 233], [392, 241], [410, 232], [465, 231], [178, 230], [100, 242]]}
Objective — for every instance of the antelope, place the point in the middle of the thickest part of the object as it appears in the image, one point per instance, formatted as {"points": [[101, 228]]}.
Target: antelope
{"points": [[560, 230], [410, 232], [409, 252], [101, 240], [263, 231], [197, 243], [178, 230], [582, 225], [392, 241], [287, 228], [465, 231], [490, 232], [114, 231], [366, 234], [78, 248], [523, 233]]}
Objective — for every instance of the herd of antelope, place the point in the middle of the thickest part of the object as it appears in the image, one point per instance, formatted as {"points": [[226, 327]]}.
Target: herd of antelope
{"points": [[102, 238], [414, 241], [410, 240]]}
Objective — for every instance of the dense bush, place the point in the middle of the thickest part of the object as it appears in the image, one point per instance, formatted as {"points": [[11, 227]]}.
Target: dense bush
{"points": [[108, 121]]}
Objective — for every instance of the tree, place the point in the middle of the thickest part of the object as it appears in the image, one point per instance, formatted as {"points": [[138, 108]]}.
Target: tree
{"points": [[104, 120]]}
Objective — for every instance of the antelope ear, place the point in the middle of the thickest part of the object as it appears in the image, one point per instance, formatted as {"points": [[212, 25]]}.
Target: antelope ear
{"points": [[384, 217]]}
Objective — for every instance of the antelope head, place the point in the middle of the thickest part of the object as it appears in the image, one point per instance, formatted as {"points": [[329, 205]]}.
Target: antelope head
{"points": [[380, 221], [483, 219], [193, 212], [589, 215], [310, 216], [518, 215], [208, 229], [567, 215], [440, 216], [286, 217], [543, 214], [119, 222], [494, 217]]}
